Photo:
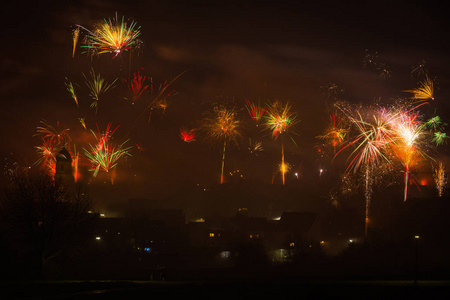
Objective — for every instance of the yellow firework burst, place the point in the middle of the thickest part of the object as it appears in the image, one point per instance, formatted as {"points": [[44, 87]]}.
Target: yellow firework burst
{"points": [[424, 92]]}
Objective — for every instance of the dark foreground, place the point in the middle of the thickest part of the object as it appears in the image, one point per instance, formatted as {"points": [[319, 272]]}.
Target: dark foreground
{"points": [[313, 289]]}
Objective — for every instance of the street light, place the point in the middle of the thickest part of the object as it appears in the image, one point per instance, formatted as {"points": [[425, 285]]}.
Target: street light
{"points": [[416, 242]]}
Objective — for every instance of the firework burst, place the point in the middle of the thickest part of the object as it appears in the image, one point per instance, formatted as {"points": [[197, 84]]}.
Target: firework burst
{"points": [[409, 143], [82, 122], [47, 156], [420, 69], [53, 134], [439, 138], [105, 155], [424, 92], [373, 137], [75, 36], [337, 130], [137, 86], [71, 89], [279, 120], [256, 112], [187, 135], [97, 86], [254, 147], [113, 36], [222, 126], [440, 179]]}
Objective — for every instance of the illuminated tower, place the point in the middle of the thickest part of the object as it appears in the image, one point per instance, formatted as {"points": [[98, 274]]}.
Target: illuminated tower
{"points": [[63, 172]]}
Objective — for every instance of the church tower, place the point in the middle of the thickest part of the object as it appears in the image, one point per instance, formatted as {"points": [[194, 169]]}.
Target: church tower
{"points": [[63, 172]]}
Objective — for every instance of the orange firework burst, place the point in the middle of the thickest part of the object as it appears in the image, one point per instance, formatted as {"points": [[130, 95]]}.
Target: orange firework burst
{"points": [[424, 92], [222, 125], [440, 178], [75, 35]]}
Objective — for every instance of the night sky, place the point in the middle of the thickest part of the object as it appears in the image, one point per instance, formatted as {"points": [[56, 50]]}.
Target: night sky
{"points": [[230, 51]]}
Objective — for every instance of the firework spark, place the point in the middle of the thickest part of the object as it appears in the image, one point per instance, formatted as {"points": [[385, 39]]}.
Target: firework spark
{"points": [[160, 98], [370, 59], [47, 156], [256, 112], [331, 89], [337, 129], [136, 86], [105, 155], [75, 35], [439, 138], [424, 92], [71, 89], [385, 71], [97, 86], [279, 119], [373, 136], [254, 147], [408, 147], [187, 135], [113, 36], [420, 69], [55, 135], [82, 122], [440, 179], [222, 126]]}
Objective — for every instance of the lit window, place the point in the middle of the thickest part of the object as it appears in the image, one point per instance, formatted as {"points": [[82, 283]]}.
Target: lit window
{"points": [[211, 234], [291, 244]]}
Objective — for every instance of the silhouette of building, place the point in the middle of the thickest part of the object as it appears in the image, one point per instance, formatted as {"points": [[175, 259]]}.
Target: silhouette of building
{"points": [[63, 172]]}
